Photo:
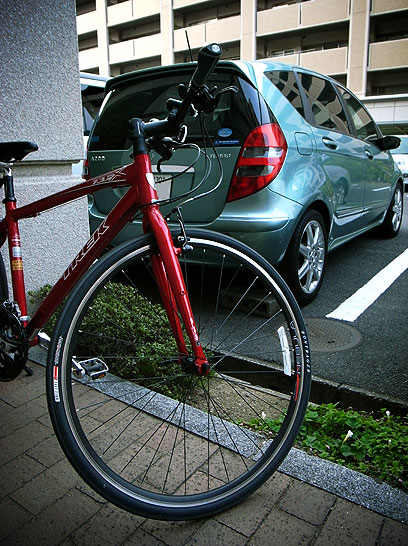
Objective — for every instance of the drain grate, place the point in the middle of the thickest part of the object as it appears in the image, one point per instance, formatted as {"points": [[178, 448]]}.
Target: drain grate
{"points": [[328, 335]]}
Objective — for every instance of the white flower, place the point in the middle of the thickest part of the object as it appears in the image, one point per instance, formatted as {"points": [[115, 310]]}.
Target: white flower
{"points": [[348, 435], [388, 414], [263, 416]]}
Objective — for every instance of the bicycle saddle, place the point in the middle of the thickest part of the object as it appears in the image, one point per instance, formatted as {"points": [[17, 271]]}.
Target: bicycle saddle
{"points": [[16, 151]]}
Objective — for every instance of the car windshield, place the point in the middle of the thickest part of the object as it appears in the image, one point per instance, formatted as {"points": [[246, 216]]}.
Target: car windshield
{"points": [[403, 147], [234, 117]]}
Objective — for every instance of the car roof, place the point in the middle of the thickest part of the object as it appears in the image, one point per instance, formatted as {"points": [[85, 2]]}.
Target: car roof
{"points": [[94, 80]]}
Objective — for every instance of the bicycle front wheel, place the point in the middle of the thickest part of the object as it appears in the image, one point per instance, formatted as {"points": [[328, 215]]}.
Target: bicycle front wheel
{"points": [[151, 435]]}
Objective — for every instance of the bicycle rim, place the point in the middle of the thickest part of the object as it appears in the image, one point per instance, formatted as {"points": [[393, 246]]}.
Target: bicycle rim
{"points": [[152, 436]]}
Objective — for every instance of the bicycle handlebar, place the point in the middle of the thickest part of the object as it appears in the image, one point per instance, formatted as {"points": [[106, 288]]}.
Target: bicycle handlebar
{"points": [[208, 57]]}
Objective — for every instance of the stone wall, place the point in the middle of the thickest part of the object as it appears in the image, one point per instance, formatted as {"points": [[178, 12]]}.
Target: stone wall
{"points": [[40, 101]]}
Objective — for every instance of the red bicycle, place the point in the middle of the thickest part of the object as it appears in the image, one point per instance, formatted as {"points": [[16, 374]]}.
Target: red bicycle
{"points": [[189, 396]]}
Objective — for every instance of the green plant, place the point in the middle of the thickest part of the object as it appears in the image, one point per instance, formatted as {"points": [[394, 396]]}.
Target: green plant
{"points": [[376, 446], [122, 322]]}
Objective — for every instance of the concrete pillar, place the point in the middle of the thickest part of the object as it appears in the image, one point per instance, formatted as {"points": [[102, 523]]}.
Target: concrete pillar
{"points": [[248, 30], [103, 37], [358, 46], [40, 101], [166, 31]]}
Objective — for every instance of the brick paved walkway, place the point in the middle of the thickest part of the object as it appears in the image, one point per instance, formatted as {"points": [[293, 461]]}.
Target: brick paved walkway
{"points": [[42, 501]]}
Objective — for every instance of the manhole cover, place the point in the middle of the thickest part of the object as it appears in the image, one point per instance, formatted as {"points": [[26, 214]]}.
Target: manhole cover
{"points": [[327, 335]]}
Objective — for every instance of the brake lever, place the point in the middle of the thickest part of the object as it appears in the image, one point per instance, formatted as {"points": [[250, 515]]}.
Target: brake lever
{"points": [[165, 147]]}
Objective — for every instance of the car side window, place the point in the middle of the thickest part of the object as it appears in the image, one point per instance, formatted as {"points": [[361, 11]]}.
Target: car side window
{"points": [[286, 82], [325, 104], [365, 126]]}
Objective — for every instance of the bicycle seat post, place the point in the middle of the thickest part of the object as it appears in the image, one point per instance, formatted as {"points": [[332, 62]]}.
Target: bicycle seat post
{"points": [[14, 242], [8, 182]]}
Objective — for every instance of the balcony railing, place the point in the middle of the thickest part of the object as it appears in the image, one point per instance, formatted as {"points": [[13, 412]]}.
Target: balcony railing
{"points": [[88, 59], [139, 48], [328, 61], [296, 16], [387, 55], [222, 31], [381, 6]]}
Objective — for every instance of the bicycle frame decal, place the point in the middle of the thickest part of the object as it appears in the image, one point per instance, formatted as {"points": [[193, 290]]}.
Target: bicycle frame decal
{"points": [[103, 228]]}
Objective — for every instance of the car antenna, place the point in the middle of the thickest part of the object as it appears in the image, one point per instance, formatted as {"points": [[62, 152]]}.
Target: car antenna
{"points": [[189, 48]]}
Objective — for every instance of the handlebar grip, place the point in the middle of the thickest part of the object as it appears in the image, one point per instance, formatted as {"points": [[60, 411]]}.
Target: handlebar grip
{"points": [[207, 59]]}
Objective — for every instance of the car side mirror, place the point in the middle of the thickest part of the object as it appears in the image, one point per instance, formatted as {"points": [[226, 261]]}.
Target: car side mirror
{"points": [[387, 143]]}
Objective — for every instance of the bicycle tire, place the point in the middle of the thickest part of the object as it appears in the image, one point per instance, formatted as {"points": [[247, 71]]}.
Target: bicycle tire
{"points": [[177, 446]]}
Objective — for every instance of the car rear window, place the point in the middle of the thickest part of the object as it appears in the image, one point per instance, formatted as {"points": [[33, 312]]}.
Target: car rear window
{"points": [[286, 82], [326, 107], [235, 116]]}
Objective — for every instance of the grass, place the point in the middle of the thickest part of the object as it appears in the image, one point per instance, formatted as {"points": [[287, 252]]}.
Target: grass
{"points": [[118, 310]]}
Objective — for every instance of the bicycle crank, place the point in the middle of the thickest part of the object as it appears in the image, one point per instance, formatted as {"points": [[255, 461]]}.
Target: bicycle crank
{"points": [[13, 343]]}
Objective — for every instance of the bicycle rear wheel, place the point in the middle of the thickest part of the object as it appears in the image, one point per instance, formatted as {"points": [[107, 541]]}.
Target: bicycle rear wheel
{"points": [[152, 436]]}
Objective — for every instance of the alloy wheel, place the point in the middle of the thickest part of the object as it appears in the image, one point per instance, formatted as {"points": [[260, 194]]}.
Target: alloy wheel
{"points": [[311, 256], [397, 209]]}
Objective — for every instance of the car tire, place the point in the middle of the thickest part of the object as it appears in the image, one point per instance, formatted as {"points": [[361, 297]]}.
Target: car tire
{"points": [[305, 259], [393, 219]]}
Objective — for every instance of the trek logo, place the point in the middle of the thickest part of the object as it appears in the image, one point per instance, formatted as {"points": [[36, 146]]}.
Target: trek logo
{"points": [[82, 253], [118, 175]]}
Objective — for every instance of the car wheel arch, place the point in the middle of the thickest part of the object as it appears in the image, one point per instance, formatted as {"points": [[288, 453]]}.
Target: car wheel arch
{"points": [[321, 207]]}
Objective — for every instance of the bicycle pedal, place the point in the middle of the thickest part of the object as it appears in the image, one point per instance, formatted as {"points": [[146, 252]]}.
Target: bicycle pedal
{"points": [[95, 368]]}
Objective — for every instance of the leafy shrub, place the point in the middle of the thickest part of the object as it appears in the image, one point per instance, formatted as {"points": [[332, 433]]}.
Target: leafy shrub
{"points": [[375, 446], [122, 322]]}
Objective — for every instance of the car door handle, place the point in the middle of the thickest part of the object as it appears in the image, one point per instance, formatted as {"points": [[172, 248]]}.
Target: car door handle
{"points": [[368, 154], [329, 143]]}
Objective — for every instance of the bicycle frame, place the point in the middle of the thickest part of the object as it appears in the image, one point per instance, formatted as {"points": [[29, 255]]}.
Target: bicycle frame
{"points": [[140, 195]]}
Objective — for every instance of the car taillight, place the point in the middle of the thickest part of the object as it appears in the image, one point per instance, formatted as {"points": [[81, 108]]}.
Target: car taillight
{"points": [[259, 161]]}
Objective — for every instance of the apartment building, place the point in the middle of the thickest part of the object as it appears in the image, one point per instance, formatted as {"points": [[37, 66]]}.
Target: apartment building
{"points": [[361, 43]]}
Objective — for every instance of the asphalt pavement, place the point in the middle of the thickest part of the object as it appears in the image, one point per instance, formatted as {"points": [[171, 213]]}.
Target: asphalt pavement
{"points": [[376, 363]]}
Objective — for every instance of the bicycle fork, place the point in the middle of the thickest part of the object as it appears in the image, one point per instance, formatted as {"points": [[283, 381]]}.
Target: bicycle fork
{"points": [[169, 277]]}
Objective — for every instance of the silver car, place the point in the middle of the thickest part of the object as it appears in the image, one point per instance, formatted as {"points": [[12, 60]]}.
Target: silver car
{"points": [[400, 156]]}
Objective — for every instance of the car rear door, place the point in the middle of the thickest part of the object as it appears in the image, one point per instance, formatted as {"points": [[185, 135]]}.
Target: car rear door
{"points": [[340, 156]]}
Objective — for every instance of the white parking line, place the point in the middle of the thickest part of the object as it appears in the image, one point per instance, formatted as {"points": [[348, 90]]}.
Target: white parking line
{"points": [[356, 304]]}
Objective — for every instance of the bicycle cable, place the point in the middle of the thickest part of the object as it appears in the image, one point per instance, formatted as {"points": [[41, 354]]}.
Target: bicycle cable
{"points": [[205, 135]]}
